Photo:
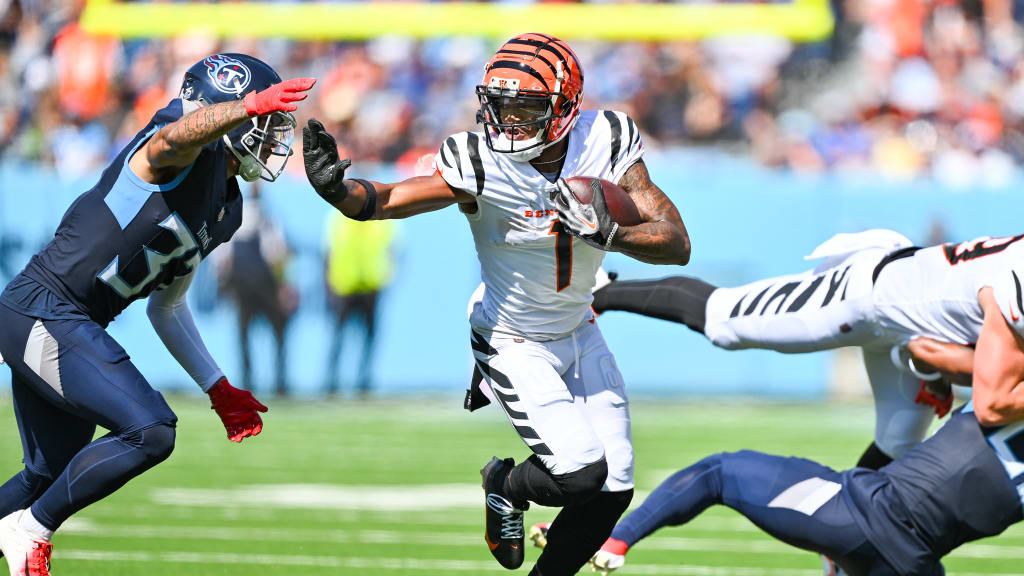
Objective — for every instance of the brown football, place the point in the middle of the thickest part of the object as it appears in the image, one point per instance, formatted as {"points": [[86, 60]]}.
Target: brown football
{"points": [[620, 205]]}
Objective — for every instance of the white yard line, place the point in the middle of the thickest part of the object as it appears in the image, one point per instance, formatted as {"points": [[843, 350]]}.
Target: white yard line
{"points": [[85, 527], [328, 496], [385, 537], [418, 565], [400, 498], [401, 564]]}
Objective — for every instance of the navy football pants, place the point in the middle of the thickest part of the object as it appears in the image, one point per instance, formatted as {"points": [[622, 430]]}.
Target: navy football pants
{"points": [[795, 500], [69, 376]]}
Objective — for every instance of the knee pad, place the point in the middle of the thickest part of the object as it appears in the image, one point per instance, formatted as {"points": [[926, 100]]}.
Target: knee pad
{"points": [[583, 484], [155, 442]]}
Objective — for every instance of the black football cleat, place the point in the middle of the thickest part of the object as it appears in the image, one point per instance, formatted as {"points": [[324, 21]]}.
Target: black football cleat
{"points": [[505, 532]]}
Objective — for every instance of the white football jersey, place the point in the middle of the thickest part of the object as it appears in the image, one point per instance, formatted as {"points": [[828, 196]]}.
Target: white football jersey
{"points": [[934, 293], [538, 278]]}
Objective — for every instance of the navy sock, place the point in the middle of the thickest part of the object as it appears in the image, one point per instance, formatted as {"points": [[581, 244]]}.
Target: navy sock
{"points": [[101, 468], [676, 501]]}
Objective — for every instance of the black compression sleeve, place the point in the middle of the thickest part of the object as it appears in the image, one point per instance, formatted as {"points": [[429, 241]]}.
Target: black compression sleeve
{"points": [[678, 299]]}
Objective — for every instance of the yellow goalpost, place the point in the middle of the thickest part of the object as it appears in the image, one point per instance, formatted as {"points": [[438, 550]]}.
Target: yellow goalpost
{"points": [[799, 20]]}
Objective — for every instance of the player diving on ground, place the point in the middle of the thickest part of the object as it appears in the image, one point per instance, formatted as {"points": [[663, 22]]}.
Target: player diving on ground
{"points": [[844, 301], [958, 486]]}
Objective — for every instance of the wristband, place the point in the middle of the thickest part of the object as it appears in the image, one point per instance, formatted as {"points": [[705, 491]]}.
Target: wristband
{"points": [[370, 205], [608, 242], [904, 360]]}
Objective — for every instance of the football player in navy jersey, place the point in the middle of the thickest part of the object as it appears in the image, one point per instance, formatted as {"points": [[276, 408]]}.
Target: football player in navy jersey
{"points": [[167, 200]]}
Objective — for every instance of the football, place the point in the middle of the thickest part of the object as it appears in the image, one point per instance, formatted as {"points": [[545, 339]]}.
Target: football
{"points": [[620, 205]]}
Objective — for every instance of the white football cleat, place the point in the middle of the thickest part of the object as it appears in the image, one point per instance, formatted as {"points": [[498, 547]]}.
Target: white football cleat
{"points": [[539, 534], [606, 561], [27, 554]]}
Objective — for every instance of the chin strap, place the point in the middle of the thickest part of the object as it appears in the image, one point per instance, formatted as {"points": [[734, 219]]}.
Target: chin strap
{"points": [[248, 167]]}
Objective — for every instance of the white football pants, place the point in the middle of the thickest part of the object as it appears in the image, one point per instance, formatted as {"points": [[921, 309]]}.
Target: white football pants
{"points": [[566, 399]]}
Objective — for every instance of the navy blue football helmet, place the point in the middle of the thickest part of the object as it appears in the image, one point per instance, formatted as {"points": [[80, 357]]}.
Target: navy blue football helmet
{"points": [[263, 145]]}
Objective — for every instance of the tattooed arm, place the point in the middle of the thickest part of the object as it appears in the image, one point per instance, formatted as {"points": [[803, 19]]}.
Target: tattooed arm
{"points": [[662, 237], [177, 144]]}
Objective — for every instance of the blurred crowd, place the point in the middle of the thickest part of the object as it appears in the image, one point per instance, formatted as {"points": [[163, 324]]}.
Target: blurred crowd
{"points": [[903, 87]]}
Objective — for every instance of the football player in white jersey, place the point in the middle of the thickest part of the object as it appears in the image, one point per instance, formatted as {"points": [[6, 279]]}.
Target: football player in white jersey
{"points": [[838, 303], [964, 483], [532, 336]]}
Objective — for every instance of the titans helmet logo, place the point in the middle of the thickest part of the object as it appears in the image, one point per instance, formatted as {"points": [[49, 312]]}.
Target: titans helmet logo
{"points": [[230, 76]]}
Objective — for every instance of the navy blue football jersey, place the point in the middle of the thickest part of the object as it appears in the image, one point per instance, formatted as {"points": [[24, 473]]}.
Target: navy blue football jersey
{"points": [[952, 488], [125, 238]]}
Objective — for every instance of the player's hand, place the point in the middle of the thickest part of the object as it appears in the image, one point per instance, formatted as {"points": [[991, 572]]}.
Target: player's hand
{"points": [[589, 222], [904, 360], [936, 393], [238, 410], [323, 168], [279, 97]]}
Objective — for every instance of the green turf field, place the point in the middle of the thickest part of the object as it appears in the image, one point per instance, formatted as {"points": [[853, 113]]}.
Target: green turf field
{"points": [[392, 488]]}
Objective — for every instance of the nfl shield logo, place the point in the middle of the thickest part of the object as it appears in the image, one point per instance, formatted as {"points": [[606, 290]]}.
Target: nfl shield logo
{"points": [[228, 75]]}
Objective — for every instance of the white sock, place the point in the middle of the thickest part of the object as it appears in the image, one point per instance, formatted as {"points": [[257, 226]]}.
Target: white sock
{"points": [[29, 523]]}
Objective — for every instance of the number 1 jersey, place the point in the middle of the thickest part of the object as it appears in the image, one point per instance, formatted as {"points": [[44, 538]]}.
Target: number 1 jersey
{"points": [[537, 277], [125, 238]]}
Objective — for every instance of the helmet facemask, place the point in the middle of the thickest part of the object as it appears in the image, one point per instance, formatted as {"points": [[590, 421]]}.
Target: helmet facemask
{"points": [[516, 122], [263, 146]]}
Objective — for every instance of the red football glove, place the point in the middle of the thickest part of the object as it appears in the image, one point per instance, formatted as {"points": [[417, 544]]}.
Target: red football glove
{"points": [[238, 410], [938, 394], [279, 97]]}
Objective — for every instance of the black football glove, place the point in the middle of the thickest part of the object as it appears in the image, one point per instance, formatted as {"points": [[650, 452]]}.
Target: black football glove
{"points": [[323, 168], [589, 222]]}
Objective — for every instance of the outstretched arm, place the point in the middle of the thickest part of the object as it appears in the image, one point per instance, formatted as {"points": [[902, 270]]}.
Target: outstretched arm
{"points": [[401, 199], [178, 144], [998, 391], [662, 237], [363, 199]]}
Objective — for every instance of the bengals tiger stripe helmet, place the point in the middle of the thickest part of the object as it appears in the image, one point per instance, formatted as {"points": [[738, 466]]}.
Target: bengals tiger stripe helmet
{"points": [[531, 95]]}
